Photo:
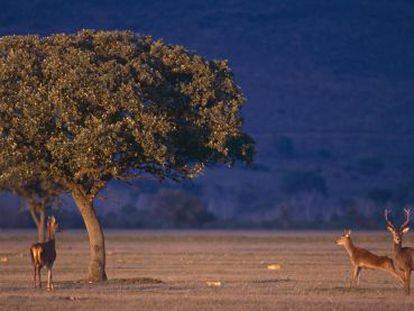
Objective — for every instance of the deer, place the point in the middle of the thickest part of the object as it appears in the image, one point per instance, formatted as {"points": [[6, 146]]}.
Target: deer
{"points": [[403, 256], [44, 255], [364, 259]]}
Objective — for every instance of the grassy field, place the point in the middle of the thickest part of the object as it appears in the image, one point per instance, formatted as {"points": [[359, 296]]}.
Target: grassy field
{"points": [[172, 270]]}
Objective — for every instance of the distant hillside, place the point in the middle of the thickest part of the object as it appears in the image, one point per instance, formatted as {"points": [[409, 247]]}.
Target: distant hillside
{"points": [[330, 88]]}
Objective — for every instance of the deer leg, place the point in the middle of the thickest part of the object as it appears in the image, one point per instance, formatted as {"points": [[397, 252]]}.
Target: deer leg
{"points": [[39, 277], [351, 283], [49, 279], [358, 273], [407, 281], [34, 275], [391, 269], [354, 276], [400, 277]]}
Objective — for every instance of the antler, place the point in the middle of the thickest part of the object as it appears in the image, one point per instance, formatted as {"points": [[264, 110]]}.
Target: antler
{"points": [[407, 218], [389, 223]]}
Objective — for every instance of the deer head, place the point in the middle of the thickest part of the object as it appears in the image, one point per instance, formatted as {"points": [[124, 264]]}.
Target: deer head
{"points": [[52, 225], [397, 233], [344, 238]]}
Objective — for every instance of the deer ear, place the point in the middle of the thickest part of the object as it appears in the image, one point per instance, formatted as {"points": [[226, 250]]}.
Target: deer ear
{"points": [[390, 229], [405, 229]]}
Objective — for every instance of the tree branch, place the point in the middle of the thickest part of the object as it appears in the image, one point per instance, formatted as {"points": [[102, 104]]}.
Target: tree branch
{"points": [[33, 213]]}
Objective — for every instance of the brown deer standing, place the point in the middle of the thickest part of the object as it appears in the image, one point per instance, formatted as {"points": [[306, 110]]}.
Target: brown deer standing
{"points": [[403, 256], [44, 254], [364, 259]]}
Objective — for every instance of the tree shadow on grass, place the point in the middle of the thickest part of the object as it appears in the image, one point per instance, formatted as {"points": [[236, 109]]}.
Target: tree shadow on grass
{"points": [[266, 281], [121, 281], [138, 280]]}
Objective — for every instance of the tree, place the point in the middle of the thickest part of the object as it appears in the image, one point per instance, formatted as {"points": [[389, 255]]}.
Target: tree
{"points": [[95, 106], [304, 187], [37, 191], [295, 182], [39, 195]]}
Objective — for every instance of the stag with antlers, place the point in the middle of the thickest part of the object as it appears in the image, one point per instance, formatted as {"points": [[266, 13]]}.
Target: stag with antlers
{"points": [[403, 256], [364, 259], [44, 255]]}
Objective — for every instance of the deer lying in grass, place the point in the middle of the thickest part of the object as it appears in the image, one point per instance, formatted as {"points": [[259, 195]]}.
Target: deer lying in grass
{"points": [[44, 254], [363, 259], [403, 256]]}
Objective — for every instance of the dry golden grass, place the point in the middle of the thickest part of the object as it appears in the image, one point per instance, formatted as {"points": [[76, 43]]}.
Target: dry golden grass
{"points": [[170, 270]]}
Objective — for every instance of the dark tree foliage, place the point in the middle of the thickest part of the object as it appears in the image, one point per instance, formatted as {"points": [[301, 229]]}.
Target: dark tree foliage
{"points": [[380, 196], [81, 110], [295, 182], [370, 166], [177, 208], [27, 182]]}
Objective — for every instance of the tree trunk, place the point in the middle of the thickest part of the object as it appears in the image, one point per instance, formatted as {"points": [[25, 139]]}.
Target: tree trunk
{"points": [[96, 237], [41, 227], [38, 216]]}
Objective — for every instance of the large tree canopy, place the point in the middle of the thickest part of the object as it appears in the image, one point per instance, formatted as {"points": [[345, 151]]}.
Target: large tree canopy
{"points": [[87, 108]]}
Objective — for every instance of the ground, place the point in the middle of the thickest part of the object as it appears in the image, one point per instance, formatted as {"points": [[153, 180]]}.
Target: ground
{"points": [[202, 270]]}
